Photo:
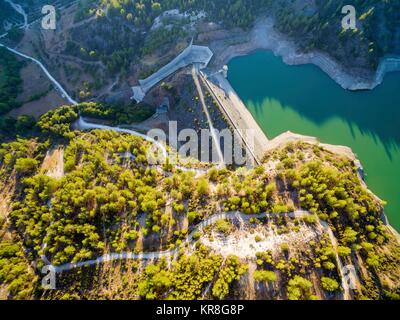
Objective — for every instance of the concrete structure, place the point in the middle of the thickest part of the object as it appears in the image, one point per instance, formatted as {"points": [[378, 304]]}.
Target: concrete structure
{"points": [[164, 106], [254, 139], [191, 55]]}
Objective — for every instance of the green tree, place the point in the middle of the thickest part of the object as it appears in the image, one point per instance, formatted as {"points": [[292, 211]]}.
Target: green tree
{"points": [[264, 276], [330, 285], [26, 165], [300, 289]]}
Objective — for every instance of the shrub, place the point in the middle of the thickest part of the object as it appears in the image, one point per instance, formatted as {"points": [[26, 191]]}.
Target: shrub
{"points": [[223, 226], [300, 289], [329, 284], [26, 165], [344, 251], [264, 276]]}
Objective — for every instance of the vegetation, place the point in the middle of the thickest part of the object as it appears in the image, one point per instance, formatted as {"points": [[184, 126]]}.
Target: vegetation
{"points": [[189, 275], [300, 289], [10, 81], [329, 284], [10, 127], [110, 202], [15, 273], [367, 44], [264, 276], [233, 13], [232, 270], [117, 113]]}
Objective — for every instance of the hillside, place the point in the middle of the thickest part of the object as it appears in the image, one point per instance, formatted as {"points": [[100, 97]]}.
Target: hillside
{"points": [[102, 48], [110, 200]]}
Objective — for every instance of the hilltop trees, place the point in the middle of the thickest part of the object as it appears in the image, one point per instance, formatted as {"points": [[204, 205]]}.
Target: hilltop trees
{"points": [[335, 196], [58, 122], [10, 80], [94, 192]]}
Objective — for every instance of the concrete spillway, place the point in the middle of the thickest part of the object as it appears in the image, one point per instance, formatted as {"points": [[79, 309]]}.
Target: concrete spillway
{"points": [[387, 65], [191, 55]]}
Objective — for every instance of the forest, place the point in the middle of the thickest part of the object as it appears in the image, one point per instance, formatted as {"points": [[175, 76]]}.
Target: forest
{"points": [[233, 13], [10, 80], [110, 199], [132, 24], [108, 187], [375, 37]]}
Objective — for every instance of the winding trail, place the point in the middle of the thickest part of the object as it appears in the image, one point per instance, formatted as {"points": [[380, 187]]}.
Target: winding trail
{"points": [[84, 125], [231, 216], [168, 253], [57, 85], [20, 10]]}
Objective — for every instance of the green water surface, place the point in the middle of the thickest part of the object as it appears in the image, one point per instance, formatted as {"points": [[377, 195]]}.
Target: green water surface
{"points": [[303, 99]]}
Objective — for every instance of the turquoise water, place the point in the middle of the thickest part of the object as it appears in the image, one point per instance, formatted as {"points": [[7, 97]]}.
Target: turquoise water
{"points": [[303, 99]]}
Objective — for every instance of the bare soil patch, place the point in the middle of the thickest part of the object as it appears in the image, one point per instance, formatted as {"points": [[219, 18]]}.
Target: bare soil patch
{"points": [[53, 164], [39, 107]]}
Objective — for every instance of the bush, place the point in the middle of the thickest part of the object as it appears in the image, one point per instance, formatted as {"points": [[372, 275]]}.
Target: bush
{"points": [[223, 226], [329, 284], [203, 189], [300, 289], [264, 276], [344, 251], [26, 165]]}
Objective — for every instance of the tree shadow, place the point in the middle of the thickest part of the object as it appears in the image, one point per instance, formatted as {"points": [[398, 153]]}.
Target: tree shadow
{"points": [[313, 95]]}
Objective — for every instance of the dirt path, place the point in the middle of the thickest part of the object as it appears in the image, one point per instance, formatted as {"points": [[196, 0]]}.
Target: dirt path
{"points": [[169, 253], [21, 11]]}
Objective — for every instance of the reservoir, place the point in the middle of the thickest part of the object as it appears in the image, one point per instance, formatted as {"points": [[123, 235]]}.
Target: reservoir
{"points": [[303, 99]]}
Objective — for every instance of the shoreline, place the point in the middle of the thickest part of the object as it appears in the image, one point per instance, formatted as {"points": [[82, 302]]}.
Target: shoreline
{"points": [[263, 36]]}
